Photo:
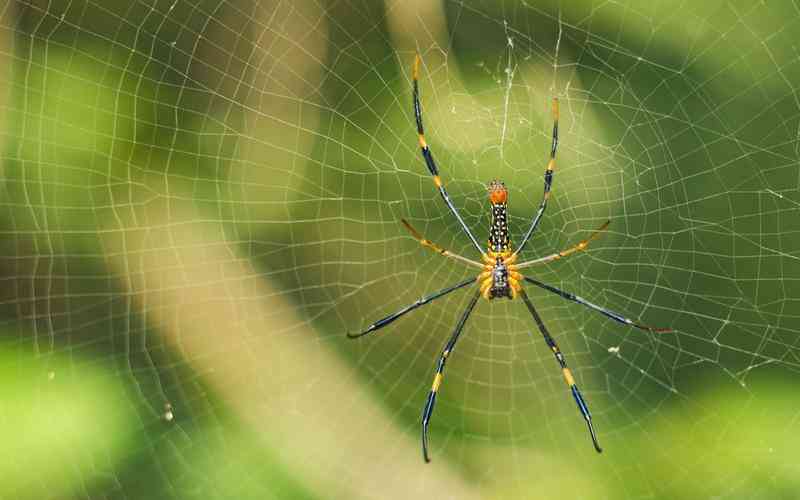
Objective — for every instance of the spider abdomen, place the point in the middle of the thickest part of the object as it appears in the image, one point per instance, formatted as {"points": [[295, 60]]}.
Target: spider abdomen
{"points": [[499, 241]]}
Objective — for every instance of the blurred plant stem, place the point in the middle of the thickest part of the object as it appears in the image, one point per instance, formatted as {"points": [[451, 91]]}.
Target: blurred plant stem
{"points": [[266, 362]]}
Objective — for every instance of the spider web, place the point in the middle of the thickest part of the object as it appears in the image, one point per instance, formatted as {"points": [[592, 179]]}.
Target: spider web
{"points": [[201, 198]]}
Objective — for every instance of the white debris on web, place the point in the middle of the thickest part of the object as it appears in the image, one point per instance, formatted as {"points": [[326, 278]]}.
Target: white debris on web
{"points": [[168, 415]]}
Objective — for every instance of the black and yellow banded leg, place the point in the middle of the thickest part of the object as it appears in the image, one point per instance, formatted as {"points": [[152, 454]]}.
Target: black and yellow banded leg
{"points": [[436, 248], [569, 251], [428, 156], [437, 379], [548, 180], [568, 378], [420, 302], [602, 310]]}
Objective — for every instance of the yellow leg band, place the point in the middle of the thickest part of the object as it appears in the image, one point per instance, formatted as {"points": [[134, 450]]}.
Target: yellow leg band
{"points": [[437, 181], [433, 246], [565, 253], [437, 381], [568, 377]]}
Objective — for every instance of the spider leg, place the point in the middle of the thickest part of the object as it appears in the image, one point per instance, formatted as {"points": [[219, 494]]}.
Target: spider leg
{"points": [[606, 312], [436, 248], [576, 394], [420, 302], [426, 153], [548, 180], [577, 248], [437, 380]]}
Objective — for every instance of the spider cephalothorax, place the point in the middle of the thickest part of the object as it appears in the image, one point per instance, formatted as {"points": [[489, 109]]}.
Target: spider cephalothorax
{"points": [[499, 275]]}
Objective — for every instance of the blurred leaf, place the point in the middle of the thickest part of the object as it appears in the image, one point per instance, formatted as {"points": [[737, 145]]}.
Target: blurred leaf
{"points": [[64, 423], [74, 122]]}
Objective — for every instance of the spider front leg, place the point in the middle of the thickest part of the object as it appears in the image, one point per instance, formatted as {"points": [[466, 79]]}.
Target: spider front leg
{"points": [[431, 164], [568, 378], [437, 379], [548, 180]]}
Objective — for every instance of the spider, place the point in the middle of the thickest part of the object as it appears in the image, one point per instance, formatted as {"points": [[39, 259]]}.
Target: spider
{"points": [[499, 276]]}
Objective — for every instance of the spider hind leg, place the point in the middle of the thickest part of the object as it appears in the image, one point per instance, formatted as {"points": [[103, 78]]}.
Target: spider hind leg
{"points": [[427, 410], [568, 378]]}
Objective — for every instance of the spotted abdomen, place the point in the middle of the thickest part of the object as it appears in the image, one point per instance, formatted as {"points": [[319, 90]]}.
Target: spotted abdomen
{"points": [[498, 231]]}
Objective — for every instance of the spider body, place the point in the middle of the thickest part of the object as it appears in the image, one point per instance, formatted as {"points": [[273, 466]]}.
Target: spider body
{"points": [[500, 275], [499, 278]]}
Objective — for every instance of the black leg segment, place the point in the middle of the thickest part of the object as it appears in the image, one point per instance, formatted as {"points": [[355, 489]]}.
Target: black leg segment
{"points": [[420, 302], [437, 379], [548, 181], [428, 156], [576, 393], [605, 312]]}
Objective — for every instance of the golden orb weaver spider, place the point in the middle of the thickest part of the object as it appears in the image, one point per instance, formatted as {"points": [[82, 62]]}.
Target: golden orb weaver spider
{"points": [[500, 276]]}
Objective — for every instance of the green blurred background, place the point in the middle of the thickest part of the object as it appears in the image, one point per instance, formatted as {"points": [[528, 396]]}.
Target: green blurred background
{"points": [[200, 198]]}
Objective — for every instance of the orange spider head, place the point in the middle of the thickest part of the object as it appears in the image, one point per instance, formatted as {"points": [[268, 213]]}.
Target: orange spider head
{"points": [[498, 194]]}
